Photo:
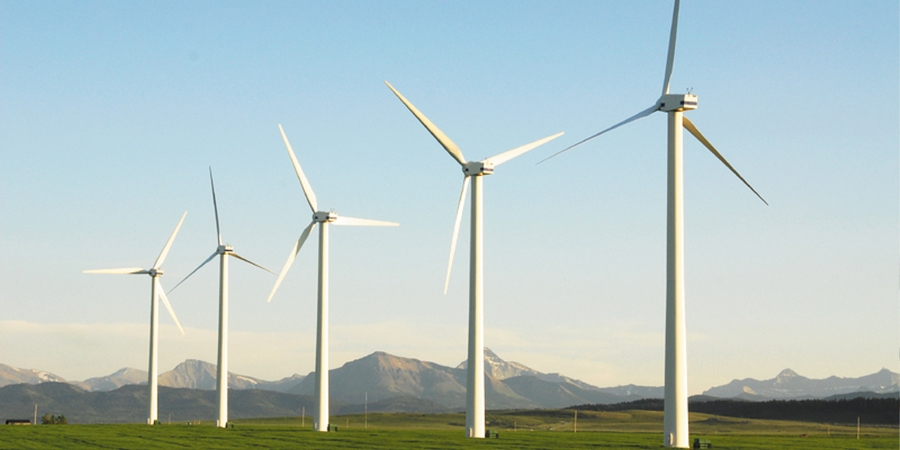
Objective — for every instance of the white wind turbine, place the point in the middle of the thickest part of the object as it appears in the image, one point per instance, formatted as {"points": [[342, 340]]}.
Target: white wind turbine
{"points": [[223, 251], [324, 218], [156, 292], [473, 170], [675, 427]]}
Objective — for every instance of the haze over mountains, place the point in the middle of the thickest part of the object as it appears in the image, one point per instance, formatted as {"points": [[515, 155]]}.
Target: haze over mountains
{"points": [[410, 384]]}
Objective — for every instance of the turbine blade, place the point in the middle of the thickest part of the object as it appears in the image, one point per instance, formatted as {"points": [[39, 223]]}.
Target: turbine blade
{"points": [[510, 154], [637, 116], [250, 262], [215, 206], [304, 183], [290, 260], [165, 250], [195, 270], [693, 130], [459, 211], [442, 138], [165, 300], [353, 221], [670, 60], [123, 271]]}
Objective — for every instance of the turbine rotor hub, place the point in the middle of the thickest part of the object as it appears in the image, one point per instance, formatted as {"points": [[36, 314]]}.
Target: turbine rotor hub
{"points": [[325, 216], [155, 272], [476, 168], [677, 102], [224, 249]]}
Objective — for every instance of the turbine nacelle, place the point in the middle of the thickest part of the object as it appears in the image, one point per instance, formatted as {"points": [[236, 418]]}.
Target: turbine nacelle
{"points": [[677, 102], [325, 216], [470, 168], [157, 290], [319, 217], [222, 249], [476, 168]]}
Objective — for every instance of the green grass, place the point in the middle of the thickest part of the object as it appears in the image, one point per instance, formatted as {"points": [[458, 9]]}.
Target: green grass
{"points": [[518, 429]]}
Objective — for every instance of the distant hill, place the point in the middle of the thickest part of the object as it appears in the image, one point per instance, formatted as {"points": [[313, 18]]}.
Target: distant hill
{"points": [[196, 374], [878, 411], [881, 411], [788, 384], [11, 375], [128, 404], [633, 391], [383, 376], [864, 394], [114, 380], [192, 373], [561, 394]]}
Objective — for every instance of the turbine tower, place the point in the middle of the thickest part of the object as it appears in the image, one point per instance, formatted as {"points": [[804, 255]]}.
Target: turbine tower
{"points": [[223, 251], [474, 171], [156, 292], [675, 426], [324, 218]]}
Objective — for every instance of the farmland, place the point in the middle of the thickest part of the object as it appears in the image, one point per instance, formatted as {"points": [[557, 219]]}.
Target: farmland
{"points": [[517, 429]]}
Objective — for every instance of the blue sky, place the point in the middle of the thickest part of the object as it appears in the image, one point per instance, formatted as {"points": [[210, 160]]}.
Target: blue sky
{"points": [[111, 112]]}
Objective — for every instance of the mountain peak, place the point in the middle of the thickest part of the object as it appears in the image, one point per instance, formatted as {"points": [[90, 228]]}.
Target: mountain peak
{"points": [[496, 367], [193, 363], [789, 377], [787, 373]]}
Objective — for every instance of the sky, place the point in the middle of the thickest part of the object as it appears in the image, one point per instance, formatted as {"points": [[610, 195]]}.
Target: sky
{"points": [[111, 114]]}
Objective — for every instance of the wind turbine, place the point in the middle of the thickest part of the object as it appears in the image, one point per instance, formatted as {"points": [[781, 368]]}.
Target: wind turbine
{"points": [[156, 292], [474, 171], [324, 218], [675, 427], [223, 251]]}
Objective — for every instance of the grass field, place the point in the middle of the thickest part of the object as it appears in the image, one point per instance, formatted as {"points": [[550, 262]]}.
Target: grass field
{"points": [[518, 429]]}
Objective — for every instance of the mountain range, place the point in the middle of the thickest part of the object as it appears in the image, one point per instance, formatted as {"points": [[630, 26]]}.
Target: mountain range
{"points": [[789, 385], [405, 384], [191, 374]]}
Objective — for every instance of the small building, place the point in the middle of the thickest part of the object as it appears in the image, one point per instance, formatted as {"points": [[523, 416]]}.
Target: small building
{"points": [[18, 422]]}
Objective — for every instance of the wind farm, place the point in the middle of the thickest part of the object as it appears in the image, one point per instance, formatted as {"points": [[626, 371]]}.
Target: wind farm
{"points": [[110, 114]]}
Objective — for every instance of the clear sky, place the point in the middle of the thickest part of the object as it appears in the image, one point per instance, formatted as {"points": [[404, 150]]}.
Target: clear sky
{"points": [[111, 112]]}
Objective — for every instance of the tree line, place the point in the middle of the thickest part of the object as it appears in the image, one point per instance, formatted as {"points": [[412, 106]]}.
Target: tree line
{"points": [[49, 419], [875, 411]]}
